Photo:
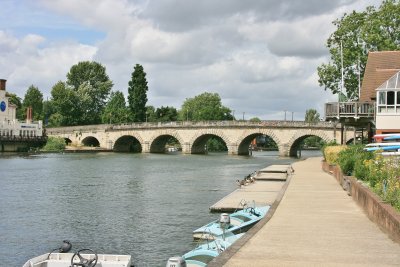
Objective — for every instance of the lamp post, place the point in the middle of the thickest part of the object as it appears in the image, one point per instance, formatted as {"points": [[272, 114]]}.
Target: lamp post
{"points": [[243, 116], [233, 115], [285, 115]]}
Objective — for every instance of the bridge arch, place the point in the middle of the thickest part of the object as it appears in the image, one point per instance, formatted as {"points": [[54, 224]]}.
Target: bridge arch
{"points": [[199, 140], [67, 141], [245, 140], [294, 142], [90, 141], [127, 143], [158, 143]]}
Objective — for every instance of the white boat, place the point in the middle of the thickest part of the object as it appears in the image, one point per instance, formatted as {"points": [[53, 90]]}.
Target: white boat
{"points": [[83, 258]]}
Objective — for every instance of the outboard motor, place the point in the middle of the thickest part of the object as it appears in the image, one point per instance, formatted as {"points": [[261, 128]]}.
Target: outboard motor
{"points": [[176, 262], [224, 221], [66, 246]]}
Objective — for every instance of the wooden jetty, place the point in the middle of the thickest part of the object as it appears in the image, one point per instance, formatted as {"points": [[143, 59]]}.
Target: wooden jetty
{"points": [[268, 183]]}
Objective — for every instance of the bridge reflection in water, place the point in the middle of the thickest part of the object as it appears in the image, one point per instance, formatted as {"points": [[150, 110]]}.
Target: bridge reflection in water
{"points": [[192, 136]]}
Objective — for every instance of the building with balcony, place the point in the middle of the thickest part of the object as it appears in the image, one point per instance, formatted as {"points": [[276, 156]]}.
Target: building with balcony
{"points": [[378, 107]]}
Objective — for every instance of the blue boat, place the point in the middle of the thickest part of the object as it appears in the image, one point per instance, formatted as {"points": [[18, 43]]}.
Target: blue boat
{"points": [[392, 137], [206, 252], [387, 147], [238, 222]]}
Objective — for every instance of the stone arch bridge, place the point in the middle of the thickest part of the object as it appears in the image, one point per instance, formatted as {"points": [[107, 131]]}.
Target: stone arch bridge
{"points": [[192, 136]]}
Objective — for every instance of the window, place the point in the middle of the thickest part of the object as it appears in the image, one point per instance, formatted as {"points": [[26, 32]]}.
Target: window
{"points": [[382, 98], [389, 102]]}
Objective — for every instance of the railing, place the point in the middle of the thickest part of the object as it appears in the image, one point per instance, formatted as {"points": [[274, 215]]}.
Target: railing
{"points": [[350, 109], [190, 124]]}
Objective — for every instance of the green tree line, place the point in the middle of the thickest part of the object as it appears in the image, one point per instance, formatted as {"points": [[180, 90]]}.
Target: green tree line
{"points": [[86, 97]]}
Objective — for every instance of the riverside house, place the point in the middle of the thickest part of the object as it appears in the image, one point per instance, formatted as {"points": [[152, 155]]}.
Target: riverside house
{"points": [[378, 108]]}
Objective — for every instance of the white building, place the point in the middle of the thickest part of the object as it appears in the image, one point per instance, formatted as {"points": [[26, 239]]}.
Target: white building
{"points": [[16, 135], [388, 106]]}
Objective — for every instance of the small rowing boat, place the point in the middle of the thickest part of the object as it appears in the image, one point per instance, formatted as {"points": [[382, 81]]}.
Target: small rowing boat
{"points": [[237, 222]]}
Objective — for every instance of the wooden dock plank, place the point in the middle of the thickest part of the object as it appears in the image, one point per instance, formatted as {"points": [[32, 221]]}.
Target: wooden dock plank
{"points": [[277, 168], [271, 176], [261, 192]]}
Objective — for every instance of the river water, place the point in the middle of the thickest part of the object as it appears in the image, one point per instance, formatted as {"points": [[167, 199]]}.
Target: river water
{"points": [[145, 205]]}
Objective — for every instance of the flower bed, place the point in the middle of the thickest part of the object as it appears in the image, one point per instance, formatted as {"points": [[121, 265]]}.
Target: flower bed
{"points": [[377, 210]]}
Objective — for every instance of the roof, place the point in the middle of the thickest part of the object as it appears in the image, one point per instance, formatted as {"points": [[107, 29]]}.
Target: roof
{"points": [[393, 84], [380, 67]]}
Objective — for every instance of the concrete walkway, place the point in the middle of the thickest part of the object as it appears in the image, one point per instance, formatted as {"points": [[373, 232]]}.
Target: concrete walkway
{"points": [[316, 224]]}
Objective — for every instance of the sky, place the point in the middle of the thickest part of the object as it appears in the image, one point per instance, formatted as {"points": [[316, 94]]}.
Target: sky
{"points": [[260, 56]]}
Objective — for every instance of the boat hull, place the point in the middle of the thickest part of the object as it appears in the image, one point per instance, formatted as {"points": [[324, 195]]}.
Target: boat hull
{"points": [[64, 260], [241, 221]]}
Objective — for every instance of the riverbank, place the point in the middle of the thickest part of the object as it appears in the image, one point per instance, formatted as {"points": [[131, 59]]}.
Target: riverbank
{"points": [[316, 223]]}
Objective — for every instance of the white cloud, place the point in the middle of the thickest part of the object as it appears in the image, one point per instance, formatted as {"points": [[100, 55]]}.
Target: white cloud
{"points": [[260, 56], [32, 64]]}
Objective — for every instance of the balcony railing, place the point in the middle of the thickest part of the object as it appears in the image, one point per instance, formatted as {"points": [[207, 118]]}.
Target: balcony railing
{"points": [[350, 110]]}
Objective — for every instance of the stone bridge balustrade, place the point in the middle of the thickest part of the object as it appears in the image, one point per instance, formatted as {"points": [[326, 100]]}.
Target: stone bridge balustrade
{"points": [[151, 137]]}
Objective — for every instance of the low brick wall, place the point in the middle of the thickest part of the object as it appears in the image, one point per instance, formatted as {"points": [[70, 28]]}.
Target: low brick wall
{"points": [[384, 215]]}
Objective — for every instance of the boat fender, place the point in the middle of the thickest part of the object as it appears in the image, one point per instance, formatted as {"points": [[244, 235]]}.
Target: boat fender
{"points": [[66, 246], [224, 220], [176, 262]]}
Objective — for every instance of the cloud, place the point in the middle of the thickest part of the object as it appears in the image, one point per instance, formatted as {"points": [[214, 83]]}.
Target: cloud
{"points": [[175, 15], [260, 56], [24, 62]]}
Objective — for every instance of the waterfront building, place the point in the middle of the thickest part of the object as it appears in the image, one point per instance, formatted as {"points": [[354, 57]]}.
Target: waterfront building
{"points": [[378, 107], [16, 135]]}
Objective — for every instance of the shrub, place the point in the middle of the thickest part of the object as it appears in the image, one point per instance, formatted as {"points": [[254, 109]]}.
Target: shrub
{"points": [[54, 144], [361, 170], [331, 153], [348, 158]]}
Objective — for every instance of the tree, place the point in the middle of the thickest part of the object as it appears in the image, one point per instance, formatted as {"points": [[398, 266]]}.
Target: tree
{"points": [[151, 114], [164, 114], [90, 81], [67, 106], [47, 111], [255, 119], [206, 106], [115, 110], [17, 101], [311, 116], [137, 94], [33, 98], [358, 33]]}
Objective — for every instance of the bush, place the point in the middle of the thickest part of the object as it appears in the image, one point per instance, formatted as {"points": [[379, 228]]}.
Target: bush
{"points": [[349, 156], [361, 171], [54, 144], [331, 153]]}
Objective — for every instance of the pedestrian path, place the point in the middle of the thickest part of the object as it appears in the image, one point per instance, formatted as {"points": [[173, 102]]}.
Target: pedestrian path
{"points": [[316, 224]]}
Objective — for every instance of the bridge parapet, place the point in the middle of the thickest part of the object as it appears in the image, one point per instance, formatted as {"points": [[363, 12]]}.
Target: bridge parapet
{"points": [[191, 124]]}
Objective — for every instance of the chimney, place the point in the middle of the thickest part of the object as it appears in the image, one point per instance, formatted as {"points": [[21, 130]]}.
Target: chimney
{"points": [[29, 115], [3, 84]]}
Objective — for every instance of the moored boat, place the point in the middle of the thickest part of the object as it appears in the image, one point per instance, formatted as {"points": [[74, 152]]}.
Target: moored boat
{"points": [[239, 222], [384, 147], [83, 257], [206, 252]]}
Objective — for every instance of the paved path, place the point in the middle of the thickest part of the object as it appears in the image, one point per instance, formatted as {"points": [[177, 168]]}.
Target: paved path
{"points": [[317, 224]]}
